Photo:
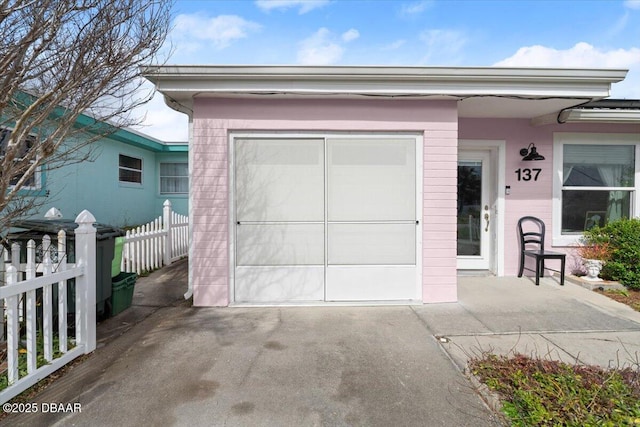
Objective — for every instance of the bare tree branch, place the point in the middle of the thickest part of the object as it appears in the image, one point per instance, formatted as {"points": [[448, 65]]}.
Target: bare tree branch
{"points": [[61, 60]]}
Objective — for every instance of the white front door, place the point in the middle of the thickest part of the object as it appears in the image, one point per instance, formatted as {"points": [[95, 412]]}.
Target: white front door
{"points": [[474, 210], [326, 219]]}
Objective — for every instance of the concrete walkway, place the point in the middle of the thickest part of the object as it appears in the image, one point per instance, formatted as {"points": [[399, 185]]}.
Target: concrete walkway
{"points": [[506, 315], [307, 366]]}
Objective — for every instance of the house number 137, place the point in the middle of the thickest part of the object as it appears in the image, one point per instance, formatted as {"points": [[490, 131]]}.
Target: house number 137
{"points": [[528, 174]]}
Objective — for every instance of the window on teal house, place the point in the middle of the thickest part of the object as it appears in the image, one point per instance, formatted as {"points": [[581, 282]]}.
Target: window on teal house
{"points": [[33, 182], [174, 178], [596, 183], [130, 169]]}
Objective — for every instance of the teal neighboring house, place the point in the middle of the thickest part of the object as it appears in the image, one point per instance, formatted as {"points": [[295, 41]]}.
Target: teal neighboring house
{"points": [[125, 183]]}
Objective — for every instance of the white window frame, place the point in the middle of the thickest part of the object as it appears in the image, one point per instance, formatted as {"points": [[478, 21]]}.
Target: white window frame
{"points": [[37, 175], [37, 180], [131, 169], [497, 150], [163, 176], [562, 138]]}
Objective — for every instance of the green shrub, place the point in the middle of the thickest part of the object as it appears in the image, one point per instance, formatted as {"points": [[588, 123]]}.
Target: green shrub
{"points": [[538, 392], [623, 237]]}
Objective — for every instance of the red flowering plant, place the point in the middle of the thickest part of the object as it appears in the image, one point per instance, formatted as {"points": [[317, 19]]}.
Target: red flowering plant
{"points": [[595, 250]]}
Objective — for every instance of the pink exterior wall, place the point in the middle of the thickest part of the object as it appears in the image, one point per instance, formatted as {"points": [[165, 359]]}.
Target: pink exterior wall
{"points": [[214, 118], [529, 198]]}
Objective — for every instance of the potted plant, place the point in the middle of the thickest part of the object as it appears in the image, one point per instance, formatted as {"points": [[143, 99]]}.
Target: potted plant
{"points": [[594, 255]]}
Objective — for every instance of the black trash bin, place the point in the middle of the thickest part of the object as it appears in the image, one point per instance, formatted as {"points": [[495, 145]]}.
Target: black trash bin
{"points": [[105, 244]]}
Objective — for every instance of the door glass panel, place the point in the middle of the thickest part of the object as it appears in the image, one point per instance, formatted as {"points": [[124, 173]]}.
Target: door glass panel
{"points": [[371, 179], [469, 207], [279, 179], [372, 244], [280, 244]]}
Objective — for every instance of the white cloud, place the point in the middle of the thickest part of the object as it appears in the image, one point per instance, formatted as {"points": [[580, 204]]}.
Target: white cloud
{"points": [[415, 8], [303, 5], [580, 55], [395, 45], [619, 25], [583, 55], [161, 122], [443, 46], [350, 35], [321, 48], [632, 4], [192, 30]]}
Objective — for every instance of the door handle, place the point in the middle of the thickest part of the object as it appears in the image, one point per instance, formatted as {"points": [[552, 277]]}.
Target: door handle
{"points": [[486, 218]]}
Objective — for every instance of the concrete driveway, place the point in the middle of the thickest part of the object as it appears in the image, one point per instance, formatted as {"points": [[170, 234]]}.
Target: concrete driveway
{"points": [[362, 366], [165, 363]]}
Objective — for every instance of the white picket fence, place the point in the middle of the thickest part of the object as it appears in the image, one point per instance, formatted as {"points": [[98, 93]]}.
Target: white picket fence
{"points": [[28, 304], [158, 243]]}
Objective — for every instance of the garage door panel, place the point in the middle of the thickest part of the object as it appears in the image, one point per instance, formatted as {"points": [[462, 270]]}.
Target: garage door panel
{"points": [[279, 244], [279, 180], [388, 283], [336, 228], [371, 179], [372, 244], [278, 284]]}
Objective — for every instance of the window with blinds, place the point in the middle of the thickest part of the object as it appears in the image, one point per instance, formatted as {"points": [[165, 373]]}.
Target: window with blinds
{"points": [[598, 184], [130, 169], [174, 178]]}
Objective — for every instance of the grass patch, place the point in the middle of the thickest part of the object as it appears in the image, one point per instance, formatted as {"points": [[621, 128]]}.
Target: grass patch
{"points": [[29, 394], [40, 360], [535, 392]]}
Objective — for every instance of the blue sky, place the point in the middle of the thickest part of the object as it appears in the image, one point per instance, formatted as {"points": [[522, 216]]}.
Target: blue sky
{"points": [[588, 34]]}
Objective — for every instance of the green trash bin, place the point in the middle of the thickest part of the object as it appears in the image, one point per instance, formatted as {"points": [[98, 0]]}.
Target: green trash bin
{"points": [[105, 248], [117, 257], [122, 292]]}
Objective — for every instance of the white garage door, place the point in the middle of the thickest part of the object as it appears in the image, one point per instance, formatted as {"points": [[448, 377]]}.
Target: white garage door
{"points": [[326, 219]]}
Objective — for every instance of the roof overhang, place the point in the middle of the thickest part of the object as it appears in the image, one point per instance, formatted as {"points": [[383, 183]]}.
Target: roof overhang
{"points": [[625, 111], [577, 115], [480, 91]]}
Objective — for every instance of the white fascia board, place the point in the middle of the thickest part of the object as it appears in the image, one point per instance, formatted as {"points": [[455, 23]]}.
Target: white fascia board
{"points": [[181, 84], [420, 81], [596, 115], [384, 73], [602, 115], [389, 88]]}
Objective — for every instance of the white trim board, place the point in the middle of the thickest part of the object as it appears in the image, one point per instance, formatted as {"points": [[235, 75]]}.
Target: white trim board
{"points": [[498, 160]]}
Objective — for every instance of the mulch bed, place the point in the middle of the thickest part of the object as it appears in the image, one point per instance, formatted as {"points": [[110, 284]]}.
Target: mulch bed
{"points": [[628, 297]]}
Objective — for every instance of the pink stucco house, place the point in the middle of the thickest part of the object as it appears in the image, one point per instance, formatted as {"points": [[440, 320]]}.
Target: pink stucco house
{"points": [[363, 184]]}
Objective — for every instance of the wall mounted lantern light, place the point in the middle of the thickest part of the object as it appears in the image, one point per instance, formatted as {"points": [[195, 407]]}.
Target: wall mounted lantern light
{"points": [[530, 153]]}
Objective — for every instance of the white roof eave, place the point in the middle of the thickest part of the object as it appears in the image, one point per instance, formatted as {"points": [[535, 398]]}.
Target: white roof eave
{"points": [[183, 83], [602, 115], [595, 115], [380, 72]]}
